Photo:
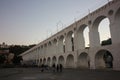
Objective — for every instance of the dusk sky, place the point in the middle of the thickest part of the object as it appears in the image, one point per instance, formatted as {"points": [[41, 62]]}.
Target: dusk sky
{"points": [[27, 22]]}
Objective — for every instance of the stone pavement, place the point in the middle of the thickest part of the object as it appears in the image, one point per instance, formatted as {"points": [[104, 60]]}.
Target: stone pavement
{"points": [[67, 74]]}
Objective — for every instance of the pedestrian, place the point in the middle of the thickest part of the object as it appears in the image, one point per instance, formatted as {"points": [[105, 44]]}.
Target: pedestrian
{"points": [[61, 67], [53, 67], [42, 67], [57, 68]]}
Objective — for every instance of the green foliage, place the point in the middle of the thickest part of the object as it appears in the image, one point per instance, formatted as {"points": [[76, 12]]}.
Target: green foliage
{"points": [[16, 60], [3, 48], [17, 49], [2, 58]]}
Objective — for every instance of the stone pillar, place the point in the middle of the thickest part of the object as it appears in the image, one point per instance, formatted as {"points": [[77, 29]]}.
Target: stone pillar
{"points": [[49, 51], [56, 46], [115, 32], [116, 56], [75, 59], [65, 58], [36, 56], [92, 58], [42, 51], [39, 54], [60, 46], [65, 44], [94, 38], [45, 50], [68, 44], [52, 48], [79, 41]]}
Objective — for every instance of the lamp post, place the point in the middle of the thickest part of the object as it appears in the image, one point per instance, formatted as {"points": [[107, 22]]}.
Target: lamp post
{"points": [[58, 23]]}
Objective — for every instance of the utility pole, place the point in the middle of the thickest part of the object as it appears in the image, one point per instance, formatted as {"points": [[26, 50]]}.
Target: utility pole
{"points": [[59, 22]]}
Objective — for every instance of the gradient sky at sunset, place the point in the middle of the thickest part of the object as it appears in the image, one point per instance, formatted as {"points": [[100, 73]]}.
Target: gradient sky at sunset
{"points": [[27, 22]]}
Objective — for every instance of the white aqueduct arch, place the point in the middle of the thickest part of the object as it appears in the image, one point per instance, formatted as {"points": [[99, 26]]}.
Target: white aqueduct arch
{"points": [[70, 61], [83, 60], [62, 43]]}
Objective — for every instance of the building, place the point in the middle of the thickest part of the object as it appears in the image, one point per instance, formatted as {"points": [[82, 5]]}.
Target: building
{"points": [[70, 50], [4, 48]]}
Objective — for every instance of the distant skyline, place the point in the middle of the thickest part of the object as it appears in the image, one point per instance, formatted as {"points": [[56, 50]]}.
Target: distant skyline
{"points": [[25, 22]]}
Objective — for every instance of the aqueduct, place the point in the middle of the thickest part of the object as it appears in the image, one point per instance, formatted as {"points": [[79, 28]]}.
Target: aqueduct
{"points": [[68, 45]]}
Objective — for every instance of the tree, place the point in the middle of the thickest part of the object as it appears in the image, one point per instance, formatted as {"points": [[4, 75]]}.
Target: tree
{"points": [[2, 59], [17, 60], [18, 49]]}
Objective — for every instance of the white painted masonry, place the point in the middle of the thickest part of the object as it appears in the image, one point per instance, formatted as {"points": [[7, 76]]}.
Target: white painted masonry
{"points": [[60, 48]]}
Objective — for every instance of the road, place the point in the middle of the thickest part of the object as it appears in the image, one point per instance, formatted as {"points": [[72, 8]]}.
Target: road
{"points": [[67, 74]]}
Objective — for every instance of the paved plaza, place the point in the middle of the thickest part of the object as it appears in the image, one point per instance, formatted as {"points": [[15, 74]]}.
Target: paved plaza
{"points": [[67, 74]]}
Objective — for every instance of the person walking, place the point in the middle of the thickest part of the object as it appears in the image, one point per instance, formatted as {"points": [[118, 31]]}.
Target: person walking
{"points": [[57, 68], [42, 67], [61, 67], [53, 67]]}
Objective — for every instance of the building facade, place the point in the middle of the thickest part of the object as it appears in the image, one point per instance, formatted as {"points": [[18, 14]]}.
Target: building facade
{"points": [[67, 47]]}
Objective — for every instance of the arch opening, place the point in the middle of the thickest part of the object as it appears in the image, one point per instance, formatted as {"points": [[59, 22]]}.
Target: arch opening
{"points": [[49, 47], [70, 61], [40, 62], [55, 41], [64, 45], [86, 37], [83, 60], [101, 29], [104, 31], [42, 49], [103, 59], [54, 46], [48, 61], [54, 60], [49, 43], [83, 36], [70, 41], [61, 44], [61, 60], [44, 61], [45, 48]]}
